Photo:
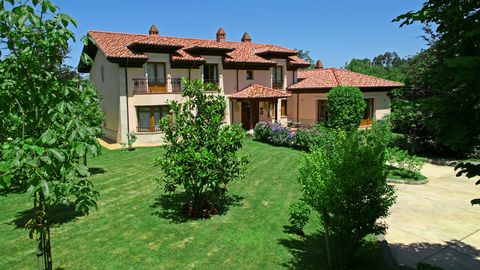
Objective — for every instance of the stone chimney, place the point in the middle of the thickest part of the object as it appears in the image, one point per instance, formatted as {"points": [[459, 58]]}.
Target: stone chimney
{"points": [[246, 37], [153, 30], [318, 65], [221, 35]]}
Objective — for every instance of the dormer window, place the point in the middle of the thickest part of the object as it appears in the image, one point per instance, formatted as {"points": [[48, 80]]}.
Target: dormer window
{"points": [[249, 74]]}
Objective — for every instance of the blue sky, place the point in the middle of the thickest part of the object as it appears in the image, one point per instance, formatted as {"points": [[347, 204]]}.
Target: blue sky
{"points": [[333, 31]]}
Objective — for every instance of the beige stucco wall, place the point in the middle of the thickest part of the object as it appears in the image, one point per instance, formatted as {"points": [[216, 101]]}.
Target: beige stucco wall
{"points": [[308, 106], [109, 92]]}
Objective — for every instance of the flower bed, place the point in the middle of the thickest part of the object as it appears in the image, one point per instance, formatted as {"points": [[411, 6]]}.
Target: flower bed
{"points": [[274, 133]]}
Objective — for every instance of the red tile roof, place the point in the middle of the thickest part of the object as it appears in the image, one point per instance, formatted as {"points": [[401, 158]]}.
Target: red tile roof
{"points": [[124, 45], [259, 91], [331, 77]]}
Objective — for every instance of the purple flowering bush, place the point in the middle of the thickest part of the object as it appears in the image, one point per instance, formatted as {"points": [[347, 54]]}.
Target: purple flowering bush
{"points": [[273, 133]]}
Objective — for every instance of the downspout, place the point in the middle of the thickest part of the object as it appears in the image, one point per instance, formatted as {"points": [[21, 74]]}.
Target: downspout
{"points": [[126, 96], [298, 108]]}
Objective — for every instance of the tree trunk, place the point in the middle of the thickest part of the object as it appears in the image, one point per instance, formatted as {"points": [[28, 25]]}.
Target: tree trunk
{"points": [[325, 226], [43, 253]]}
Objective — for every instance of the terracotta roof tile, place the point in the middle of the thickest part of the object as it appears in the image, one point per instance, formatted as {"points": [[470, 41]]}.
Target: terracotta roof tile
{"points": [[332, 77], [122, 45], [259, 91]]}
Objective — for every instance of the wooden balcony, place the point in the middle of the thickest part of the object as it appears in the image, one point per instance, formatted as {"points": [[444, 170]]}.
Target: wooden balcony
{"points": [[277, 84], [147, 86], [176, 85], [214, 81]]}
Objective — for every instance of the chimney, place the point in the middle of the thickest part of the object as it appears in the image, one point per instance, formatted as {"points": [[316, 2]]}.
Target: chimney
{"points": [[318, 65], [246, 37], [221, 35], [153, 30]]}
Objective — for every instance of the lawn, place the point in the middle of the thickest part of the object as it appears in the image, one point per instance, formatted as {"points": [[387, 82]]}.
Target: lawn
{"points": [[131, 230]]}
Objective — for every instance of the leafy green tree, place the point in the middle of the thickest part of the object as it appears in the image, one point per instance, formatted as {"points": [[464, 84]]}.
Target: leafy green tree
{"points": [[345, 108], [201, 152], [49, 123], [305, 55], [453, 78], [344, 180], [388, 66]]}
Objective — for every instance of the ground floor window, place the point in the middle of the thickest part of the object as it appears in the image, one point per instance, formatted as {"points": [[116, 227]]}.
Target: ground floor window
{"points": [[283, 106], [149, 116], [322, 113], [369, 113]]}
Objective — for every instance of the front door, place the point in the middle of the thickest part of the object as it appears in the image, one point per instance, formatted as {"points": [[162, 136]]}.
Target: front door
{"points": [[246, 115]]}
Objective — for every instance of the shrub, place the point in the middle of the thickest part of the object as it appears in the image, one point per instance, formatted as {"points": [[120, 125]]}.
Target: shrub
{"points": [[262, 131], [273, 133], [299, 216], [131, 138], [409, 165], [344, 180], [345, 108], [201, 152], [307, 139]]}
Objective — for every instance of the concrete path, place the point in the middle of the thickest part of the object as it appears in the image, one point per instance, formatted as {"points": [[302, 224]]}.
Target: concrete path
{"points": [[435, 223], [115, 146]]}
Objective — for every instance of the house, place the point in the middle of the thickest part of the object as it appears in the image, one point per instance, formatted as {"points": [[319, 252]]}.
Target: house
{"points": [[137, 74]]}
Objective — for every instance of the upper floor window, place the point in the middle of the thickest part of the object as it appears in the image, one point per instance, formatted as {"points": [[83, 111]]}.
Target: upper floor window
{"points": [[249, 74], [156, 73], [210, 73], [277, 75]]}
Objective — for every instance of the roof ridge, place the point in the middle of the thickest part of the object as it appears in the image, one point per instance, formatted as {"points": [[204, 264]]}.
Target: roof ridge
{"points": [[335, 76]]}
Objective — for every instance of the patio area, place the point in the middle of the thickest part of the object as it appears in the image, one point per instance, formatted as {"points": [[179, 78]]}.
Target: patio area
{"points": [[435, 223]]}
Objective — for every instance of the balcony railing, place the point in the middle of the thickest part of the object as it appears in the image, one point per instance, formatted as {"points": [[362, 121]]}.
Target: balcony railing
{"points": [[148, 129], [277, 84], [143, 85], [215, 81], [176, 85]]}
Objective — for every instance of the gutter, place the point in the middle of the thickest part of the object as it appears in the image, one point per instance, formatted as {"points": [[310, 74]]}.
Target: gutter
{"points": [[126, 96]]}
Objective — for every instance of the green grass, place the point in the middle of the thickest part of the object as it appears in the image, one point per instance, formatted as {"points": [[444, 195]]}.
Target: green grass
{"points": [[128, 232], [400, 174]]}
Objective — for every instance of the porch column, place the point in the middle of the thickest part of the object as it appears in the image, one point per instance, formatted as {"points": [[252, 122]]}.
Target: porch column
{"points": [[251, 114], [276, 110]]}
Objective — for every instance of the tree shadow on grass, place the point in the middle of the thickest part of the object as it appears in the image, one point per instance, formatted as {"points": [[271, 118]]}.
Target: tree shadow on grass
{"points": [[310, 252], [96, 170], [57, 215], [172, 206]]}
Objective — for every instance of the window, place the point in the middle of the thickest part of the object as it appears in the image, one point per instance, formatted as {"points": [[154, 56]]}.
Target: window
{"points": [[369, 109], [210, 73], [322, 110], [102, 73], [249, 74], [369, 113], [156, 73], [277, 75], [283, 107], [148, 117]]}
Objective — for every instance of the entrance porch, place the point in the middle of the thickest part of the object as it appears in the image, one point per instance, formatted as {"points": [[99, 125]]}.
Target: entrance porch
{"points": [[254, 104]]}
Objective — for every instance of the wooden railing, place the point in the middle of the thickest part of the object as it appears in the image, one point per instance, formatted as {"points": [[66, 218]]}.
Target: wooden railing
{"points": [[215, 81], [176, 85], [148, 129], [277, 84], [143, 85]]}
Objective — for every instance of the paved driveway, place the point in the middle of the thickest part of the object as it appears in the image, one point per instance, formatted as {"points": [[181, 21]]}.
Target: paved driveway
{"points": [[435, 223]]}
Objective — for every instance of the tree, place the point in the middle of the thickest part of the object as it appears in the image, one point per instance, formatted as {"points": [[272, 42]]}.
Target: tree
{"points": [[305, 55], [201, 152], [454, 76], [388, 66], [345, 108], [344, 180], [453, 105], [49, 123]]}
